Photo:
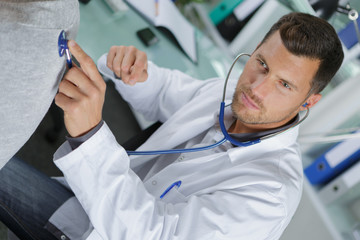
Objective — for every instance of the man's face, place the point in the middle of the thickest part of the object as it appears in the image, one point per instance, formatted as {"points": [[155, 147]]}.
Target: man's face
{"points": [[273, 86]]}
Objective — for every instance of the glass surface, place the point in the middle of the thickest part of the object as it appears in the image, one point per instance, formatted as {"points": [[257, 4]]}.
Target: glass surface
{"points": [[100, 29]]}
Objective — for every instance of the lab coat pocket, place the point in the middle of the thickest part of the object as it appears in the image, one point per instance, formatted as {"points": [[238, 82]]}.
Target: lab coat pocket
{"points": [[174, 196]]}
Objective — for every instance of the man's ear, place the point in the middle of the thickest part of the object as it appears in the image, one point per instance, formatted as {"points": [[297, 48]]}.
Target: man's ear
{"points": [[311, 101]]}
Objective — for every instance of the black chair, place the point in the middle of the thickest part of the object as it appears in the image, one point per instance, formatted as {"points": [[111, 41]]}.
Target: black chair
{"points": [[133, 143]]}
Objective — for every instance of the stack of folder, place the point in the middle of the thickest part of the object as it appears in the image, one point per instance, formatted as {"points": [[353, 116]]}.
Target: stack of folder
{"points": [[333, 162]]}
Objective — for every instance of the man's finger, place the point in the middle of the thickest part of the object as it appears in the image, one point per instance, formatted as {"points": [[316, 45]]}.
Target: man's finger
{"points": [[86, 63], [116, 62], [136, 73], [77, 77], [69, 89], [139, 68], [110, 57], [63, 101]]}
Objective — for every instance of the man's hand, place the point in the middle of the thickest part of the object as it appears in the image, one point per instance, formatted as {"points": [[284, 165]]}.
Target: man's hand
{"points": [[81, 94], [128, 63]]}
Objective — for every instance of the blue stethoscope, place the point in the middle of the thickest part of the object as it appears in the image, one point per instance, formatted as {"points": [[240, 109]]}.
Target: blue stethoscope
{"points": [[227, 137], [64, 50]]}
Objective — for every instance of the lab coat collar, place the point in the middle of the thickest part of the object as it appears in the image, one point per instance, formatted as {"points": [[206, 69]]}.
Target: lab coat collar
{"points": [[280, 141]]}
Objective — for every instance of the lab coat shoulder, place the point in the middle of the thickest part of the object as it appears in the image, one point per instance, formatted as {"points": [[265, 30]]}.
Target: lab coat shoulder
{"points": [[291, 172], [280, 172], [274, 168]]}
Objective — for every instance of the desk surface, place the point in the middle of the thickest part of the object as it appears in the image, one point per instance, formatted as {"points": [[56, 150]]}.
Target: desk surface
{"points": [[100, 28]]}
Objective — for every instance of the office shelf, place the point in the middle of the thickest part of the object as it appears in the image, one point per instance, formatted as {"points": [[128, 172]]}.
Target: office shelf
{"points": [[249, 36], [339, 109]]}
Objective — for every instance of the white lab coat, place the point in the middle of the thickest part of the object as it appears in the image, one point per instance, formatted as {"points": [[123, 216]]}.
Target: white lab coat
{"points": [[244, 193]]}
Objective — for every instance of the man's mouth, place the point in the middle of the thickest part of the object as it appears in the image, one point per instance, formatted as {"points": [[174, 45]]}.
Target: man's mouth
{"points": [[248, 102]]}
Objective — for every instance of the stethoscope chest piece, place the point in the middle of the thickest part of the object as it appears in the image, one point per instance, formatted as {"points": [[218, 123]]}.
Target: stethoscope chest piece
{"points": [[63, 48], [62, 43]]}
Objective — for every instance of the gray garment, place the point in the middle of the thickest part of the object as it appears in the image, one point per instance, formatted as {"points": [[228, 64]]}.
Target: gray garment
{"points": [[31, 68], [77, 141]]}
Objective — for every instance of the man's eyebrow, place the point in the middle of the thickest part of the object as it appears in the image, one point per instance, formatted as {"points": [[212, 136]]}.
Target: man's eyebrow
{"points": [[292, 85]]}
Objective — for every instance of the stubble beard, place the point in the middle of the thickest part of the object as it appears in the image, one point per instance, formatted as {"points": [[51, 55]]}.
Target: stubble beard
{"points": [[254, 117], [245, 116]]}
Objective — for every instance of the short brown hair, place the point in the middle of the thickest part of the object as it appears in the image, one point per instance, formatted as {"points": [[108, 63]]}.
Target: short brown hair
{"points": [[312, 37]]}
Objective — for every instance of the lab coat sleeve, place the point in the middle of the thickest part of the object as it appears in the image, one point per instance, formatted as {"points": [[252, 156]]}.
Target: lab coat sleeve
{"points": [[120, 207], [162, 94]]}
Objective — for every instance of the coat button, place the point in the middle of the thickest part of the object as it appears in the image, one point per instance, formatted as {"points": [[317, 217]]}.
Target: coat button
{"points": [[63, 237], [154, 182]]}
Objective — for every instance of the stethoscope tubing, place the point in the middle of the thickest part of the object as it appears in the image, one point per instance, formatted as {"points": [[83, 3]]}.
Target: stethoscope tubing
{"points": [[229, 72], [171, 151]]}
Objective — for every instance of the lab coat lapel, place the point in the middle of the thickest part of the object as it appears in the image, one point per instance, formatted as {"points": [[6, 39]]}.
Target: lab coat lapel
{"points": [[285, 140]]}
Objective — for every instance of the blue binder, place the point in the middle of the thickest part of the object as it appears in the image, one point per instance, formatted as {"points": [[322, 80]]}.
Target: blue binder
{"points": [[333, 162], [348, 34]]}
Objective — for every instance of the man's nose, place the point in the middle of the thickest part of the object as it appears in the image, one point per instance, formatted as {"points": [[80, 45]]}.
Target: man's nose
{"points": [[261, 86]]}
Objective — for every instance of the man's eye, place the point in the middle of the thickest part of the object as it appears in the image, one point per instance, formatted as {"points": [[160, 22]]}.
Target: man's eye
{"points": [[263, 64], [286, 85]]}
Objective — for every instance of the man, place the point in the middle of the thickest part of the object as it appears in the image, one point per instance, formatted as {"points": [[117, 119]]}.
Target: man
{"points": [[226, 192]]}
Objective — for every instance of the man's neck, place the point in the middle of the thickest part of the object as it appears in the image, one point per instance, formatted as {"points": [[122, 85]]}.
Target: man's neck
{"points": [[240, 127]]}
